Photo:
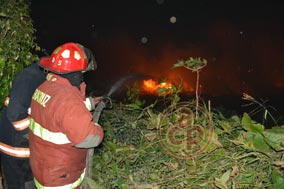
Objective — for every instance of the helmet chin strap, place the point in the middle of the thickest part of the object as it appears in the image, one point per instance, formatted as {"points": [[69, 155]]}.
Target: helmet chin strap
{"points": [[75, 78]]}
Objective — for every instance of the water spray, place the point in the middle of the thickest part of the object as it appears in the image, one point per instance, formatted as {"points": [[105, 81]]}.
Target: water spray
{"points": [[118, 85]]}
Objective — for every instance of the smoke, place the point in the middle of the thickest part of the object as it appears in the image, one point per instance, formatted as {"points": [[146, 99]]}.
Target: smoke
{"points": [[237, 57]]}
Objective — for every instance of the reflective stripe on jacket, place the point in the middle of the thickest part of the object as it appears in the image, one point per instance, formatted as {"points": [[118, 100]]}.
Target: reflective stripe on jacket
{"points": [[20, 124], [11, 150], [6, 102], [67, 186], [14, 151], [20, 152], [44, 134]]}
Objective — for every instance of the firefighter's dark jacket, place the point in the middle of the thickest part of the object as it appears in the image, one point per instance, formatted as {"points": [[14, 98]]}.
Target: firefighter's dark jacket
{"points": [[17, 108]]}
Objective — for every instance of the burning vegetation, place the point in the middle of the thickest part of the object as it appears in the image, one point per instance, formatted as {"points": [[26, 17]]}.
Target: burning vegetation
{"points": [[154, 87]]}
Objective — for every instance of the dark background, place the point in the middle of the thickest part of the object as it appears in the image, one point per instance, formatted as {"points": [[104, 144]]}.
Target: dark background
{"points": [[241, 40]]}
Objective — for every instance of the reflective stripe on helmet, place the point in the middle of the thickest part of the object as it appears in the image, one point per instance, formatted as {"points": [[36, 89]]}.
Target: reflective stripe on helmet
{"points": [[67, 186], [44, 134], [22, 124], [15, 151]]}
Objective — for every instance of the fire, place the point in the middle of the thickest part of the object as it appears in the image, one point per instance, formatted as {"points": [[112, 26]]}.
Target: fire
{"points": [[151, 86]]}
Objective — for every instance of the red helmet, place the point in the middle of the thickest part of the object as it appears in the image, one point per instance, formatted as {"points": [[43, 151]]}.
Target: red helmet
{"points": [[69, 57]]}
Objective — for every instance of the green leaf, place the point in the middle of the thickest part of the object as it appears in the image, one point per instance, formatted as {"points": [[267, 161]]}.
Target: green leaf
{"points": [[221, 182], [154, 120], [115, 168], [226, 126], [153, 176], [225, 177], [110, 145], [119, 182], [178, 64], [2, 63], [2, 14], [275, 137], [248, 178], [278, 180], [260, 144], [246, 121], [250, 126], [107, 157]]}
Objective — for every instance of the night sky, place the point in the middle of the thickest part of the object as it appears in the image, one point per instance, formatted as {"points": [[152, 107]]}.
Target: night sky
{"points": [[241, 40]]}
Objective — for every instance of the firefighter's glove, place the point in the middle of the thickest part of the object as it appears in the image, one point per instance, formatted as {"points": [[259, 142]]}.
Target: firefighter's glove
{"points": [[96, 100], [91, 102]]}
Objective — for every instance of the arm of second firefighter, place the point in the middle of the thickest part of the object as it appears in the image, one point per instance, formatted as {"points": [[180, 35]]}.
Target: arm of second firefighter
{"points": [[21, 93], [92, 140], [19, 102], [18, 107]]}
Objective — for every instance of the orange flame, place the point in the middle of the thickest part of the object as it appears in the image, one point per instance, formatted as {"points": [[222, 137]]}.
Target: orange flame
{"points": [[151, 86]]}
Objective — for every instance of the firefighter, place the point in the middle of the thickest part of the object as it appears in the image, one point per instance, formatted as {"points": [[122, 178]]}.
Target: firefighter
{"points": [[61, 129], [14, 123]]}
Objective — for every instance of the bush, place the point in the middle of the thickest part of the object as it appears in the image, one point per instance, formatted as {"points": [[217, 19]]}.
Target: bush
{"points": [[17, 42], [233, 152]]}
